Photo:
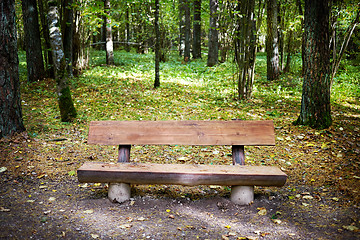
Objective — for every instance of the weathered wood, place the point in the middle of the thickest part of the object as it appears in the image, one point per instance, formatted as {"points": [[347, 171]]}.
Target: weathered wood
{"points": [[182, 132], [181, 174], [238, 154], [124, 153]]}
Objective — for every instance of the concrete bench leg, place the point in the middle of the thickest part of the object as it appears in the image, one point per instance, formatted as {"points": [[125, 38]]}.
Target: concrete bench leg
{"points": [[242, 195], [119, 192]]}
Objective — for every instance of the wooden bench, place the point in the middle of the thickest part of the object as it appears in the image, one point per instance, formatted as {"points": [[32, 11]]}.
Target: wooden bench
{"points": [[235, 133]]}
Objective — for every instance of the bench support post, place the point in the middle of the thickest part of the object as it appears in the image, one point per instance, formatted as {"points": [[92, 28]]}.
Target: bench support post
{"points": [[121, 192], [242, 195]]}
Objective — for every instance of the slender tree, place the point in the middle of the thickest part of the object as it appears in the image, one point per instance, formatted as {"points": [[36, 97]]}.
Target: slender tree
{"points": [[157, 46], [66, 105], [10, 103], [181, 27], [197, 30], [109, 46], [34, 58], [245, 47], [213, 56], [272, 41], [315, 102], [187, 31], [67, 30]]}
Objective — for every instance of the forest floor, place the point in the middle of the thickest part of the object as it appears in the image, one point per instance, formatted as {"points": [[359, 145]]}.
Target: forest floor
{"points": [[40, 197]]}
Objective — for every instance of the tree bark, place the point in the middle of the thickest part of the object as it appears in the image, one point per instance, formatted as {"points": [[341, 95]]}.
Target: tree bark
{"points": [[213, 55], [245, 47], [127, 29], [34, 58], [272, 41], [10, 102], [181, 27], [197, 30], [315, 102], [67, 109], [46, 35], [187, 31], [157, 46], [109, 43], [67, 29]]}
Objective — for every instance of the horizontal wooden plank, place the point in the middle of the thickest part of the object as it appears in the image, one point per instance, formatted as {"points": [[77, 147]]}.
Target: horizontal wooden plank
{"points": [[182, 132], [181, 174]]}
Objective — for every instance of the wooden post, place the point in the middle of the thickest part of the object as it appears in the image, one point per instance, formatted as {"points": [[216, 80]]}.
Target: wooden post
{"points": [[238, 155], [124, 153], [120, 192]]}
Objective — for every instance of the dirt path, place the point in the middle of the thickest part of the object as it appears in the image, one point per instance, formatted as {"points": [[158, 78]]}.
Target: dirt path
{"points": [[33, 208]]}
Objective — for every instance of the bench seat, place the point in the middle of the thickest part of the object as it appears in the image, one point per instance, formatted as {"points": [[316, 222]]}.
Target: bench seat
{"points": [[181, 174]]}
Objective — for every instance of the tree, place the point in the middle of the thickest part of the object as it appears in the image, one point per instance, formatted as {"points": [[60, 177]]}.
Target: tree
{"points": [[10, 103], [245, 47], [197, 30], [67, 29], [213, 56], [315, 101], [181, 27], [66, 105], [187, 30], [34, 58], [157, 46], [272, 38], [109, 47]]}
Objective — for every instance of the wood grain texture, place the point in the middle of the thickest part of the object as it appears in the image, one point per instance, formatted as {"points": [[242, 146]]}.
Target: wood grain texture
{"points": [[182, 132], [181, 174]]}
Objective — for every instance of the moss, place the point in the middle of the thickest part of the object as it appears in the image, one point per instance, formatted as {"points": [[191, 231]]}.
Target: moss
{"points": [[66, 105]]}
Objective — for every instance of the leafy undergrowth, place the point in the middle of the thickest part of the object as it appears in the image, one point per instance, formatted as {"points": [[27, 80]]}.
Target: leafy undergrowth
{"points": [[324, 162]]}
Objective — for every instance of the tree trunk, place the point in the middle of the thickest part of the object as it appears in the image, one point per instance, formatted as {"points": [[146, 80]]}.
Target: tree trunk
{"points": [[127, 28], [213, 56], [272, 44], [80, 41], [67, 109], [10, 102], [109, 47], [181, 27], [67, 28], [46, 34], [34, 58], [187, 31], [197, 30], [315, 102], [157, 46], [245, 47]]}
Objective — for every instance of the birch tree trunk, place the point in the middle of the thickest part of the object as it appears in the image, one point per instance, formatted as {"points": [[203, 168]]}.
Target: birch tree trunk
{"points": [[10, 103], [109, 47], [66, 105], [272, 41]]}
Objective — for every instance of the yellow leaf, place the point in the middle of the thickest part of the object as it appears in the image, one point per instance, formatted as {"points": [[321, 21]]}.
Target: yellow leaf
{"points": [[168, 210], [262, 211], [227, 226]]}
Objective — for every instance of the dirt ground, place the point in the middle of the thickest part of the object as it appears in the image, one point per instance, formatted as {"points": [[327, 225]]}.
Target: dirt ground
{"points": [[41, 198]]}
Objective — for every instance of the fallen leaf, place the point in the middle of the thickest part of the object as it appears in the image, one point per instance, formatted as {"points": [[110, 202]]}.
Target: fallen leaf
{"points": [[262, 211], [351, 228], [89, 211], [125, 226], [308, 197], [276, 221], [335, 199], [51, 199], [2, 209], [95, 236], [3, 169], [141, 219]]}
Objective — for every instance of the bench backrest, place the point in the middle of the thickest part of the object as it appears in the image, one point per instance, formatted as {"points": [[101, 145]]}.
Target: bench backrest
{"points": [[182, 132]]}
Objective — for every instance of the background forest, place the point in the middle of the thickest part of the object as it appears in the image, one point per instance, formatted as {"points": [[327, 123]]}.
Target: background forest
{"points": [[89, 60]]}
